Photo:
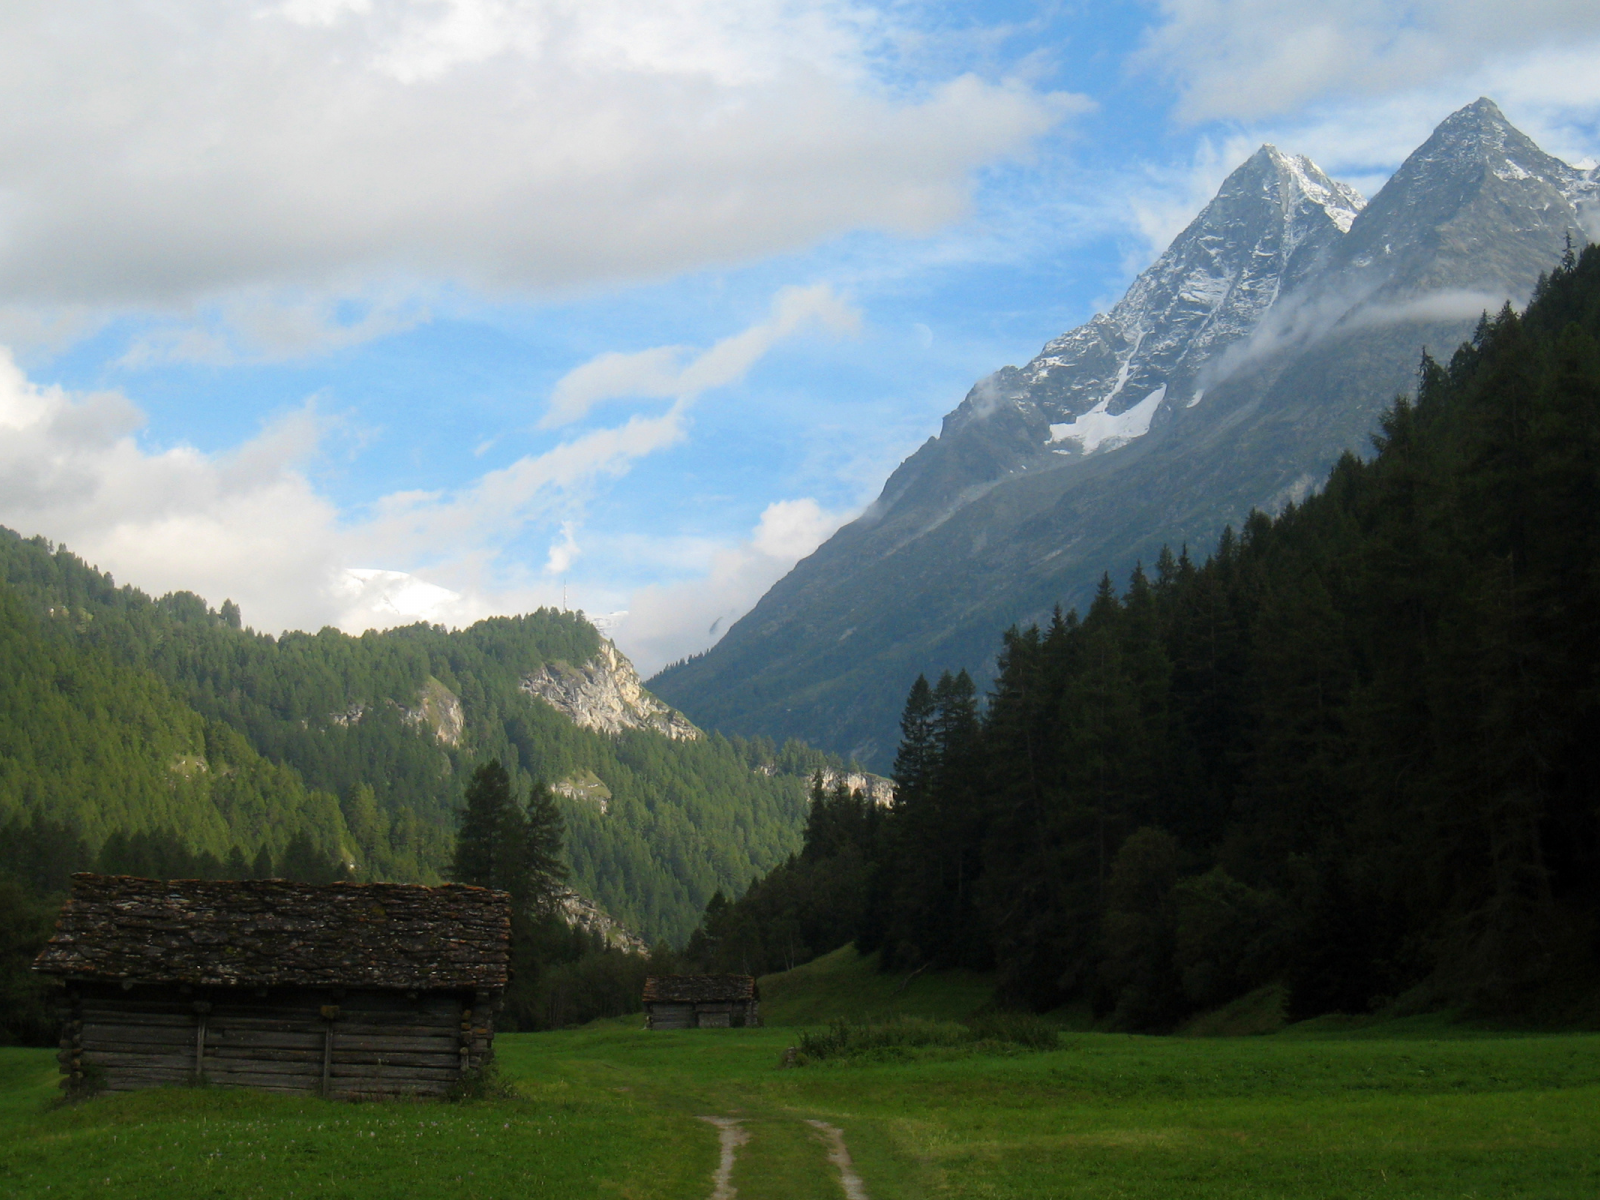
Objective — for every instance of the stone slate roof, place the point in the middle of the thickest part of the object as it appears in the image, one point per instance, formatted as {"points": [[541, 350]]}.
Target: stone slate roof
{"points": [[700, 989], [266, 932]]}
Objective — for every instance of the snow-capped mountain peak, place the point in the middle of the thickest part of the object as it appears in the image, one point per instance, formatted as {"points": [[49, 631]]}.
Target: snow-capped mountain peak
{"points": [[1274, 222]]}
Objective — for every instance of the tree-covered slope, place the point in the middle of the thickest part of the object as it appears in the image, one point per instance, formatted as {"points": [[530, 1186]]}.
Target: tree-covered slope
{"points": [[1355, 752], [104, 747], [185, 721]]}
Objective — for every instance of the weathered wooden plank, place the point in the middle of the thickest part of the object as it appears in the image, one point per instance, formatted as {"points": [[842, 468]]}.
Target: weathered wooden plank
{"points": [[267, 1038], [288, 1084], [167, 1029], [436, 1074], [310, 1057], [228, 1026], [135, 1036], [105, 1016], [448, 1062], [151, 1078], [343, 1041], [400, 1002], [266, 1012], [123, 1066], [307, 1066], [178, 1037], [369, 1029], [101, 1049]]}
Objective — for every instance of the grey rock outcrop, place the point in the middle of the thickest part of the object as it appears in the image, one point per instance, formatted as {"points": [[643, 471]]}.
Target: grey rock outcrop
{"points": [[876, 788], [605, 694], [583, 913]]}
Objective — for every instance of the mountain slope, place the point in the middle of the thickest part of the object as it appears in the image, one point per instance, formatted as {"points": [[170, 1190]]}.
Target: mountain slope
{"points": [[130, 715], [1236, 369]]}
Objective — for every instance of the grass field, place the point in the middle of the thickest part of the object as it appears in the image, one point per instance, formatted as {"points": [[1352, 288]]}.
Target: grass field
{"points": [[1327, 1110]]}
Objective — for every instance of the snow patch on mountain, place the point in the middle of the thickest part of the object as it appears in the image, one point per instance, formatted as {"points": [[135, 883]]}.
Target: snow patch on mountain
{"points": [[1273, 224], [1098, 429]]}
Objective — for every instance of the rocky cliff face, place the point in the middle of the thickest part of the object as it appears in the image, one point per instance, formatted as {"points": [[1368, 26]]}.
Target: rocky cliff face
{"points": [[437, 709], [876, 788], [1264, 343], [605, 694], [583, 913]]}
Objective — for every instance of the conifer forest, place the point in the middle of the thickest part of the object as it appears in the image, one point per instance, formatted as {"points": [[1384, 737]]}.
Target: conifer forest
{"points": [[1352, 750]]}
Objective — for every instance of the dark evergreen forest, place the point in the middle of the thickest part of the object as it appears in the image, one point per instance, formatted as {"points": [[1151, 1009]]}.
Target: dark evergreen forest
{"points": [[1354, 752]]}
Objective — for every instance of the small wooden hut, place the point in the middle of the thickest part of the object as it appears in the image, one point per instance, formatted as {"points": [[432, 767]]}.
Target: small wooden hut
{"points": [[348, 990], [701, 1001]]}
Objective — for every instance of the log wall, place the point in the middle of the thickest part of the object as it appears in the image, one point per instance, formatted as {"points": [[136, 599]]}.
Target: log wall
{"points": [[704, 1014], [332, 1042]]}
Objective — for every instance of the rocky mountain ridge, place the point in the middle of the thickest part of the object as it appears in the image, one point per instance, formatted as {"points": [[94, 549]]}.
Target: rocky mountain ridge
{"points": [[1262, 344]]}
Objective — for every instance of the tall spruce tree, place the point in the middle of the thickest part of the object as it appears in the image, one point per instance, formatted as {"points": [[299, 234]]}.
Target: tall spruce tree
{"points": [[542, 869], [488, 838]]}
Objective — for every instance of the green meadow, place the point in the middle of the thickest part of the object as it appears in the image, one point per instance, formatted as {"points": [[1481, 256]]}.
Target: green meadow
{"points": [[1415, 1108]]}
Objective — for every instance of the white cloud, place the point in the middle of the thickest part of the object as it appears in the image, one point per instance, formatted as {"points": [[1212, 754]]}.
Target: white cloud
{"points": [[263, 326], [245, 525], [1249, 59], [657, 372], [166, 155], [372, 598], [666, 622], [248, 525], [563, 552]]}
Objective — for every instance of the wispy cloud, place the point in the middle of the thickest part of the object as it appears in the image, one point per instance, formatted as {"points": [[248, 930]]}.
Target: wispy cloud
{"points": [[250, 525], [666, 622], [271, 326], [661, 372], [1253, 59]]}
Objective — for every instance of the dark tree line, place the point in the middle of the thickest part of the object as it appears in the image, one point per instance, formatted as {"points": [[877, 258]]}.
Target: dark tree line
{"points": [[814, 902], [1355, 751]]}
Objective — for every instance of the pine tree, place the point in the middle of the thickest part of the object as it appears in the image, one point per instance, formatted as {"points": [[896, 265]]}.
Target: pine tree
{"points": [[489, 831], [543, 872]]}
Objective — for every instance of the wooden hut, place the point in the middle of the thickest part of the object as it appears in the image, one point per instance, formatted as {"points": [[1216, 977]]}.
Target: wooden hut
{"points": [[346, 990], [701, 1001]]}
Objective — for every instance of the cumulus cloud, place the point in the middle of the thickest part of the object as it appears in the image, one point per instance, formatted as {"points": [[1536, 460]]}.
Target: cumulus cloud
{"points": [[246, 524], [166, 154], [658, 372], [666, 622]]}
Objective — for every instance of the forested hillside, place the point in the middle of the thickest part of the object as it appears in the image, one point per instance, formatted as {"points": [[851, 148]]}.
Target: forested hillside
{"points": [[164, 718], [1355, 751]]}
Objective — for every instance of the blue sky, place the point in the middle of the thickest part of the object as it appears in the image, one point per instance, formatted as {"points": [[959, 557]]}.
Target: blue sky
{"points": [[361, 312]]}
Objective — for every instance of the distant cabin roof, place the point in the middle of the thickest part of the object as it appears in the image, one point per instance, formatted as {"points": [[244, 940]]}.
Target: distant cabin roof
{"points": [[698, 989], [265, 932]]}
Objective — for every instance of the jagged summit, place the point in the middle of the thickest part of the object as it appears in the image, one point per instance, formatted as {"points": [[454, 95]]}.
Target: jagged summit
{"points": [[1272, 224], [1262, 344], [1474, 208]]}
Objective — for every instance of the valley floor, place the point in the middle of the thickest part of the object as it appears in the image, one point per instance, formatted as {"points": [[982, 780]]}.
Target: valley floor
{"points": [[1410, 1109]]}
